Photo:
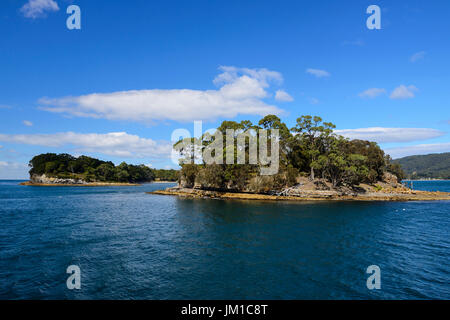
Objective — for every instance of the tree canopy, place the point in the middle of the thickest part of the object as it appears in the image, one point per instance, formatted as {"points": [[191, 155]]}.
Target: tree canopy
{"points": [[88, 169], [309, 148]]}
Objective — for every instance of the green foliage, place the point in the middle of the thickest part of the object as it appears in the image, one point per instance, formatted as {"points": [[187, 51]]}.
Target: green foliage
{"points": [[166, 175], [291, 176], [341, 167], [310, 148], [375, 158], [396, 169], [312, 138], [189, 172], [212, 177], [89, 169], [237, 175]]}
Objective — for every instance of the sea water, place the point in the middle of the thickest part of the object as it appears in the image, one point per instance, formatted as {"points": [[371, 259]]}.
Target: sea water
{"points": [[132, 245]]}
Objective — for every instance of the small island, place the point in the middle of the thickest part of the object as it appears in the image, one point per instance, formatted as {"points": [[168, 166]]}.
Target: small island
{"points": [[52, 169], [314, 164]]}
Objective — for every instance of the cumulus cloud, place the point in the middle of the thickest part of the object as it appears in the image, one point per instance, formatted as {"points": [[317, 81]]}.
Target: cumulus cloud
{"points": [[120, 144], [388, 135], [38, 8], [418, 149], [417, 56], [318, 73], [403, 92], [27, 123], [241, 91], [372, 93], [282, 95]]}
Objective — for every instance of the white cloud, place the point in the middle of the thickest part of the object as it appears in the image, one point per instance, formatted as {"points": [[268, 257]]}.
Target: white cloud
{"points": [[241, 91], [418, 149], [27, 123], [38, 8], [3, 106], [282, 95], [318, 73], [372, 93], [388, 135], [13, 170], [403, 92], [120, 144], [417, 56]]}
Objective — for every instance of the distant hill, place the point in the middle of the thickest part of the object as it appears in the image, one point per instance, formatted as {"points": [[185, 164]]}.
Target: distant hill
{"points": [[435, 165]]}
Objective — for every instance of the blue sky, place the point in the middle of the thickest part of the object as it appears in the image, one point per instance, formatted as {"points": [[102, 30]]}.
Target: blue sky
{"points": [[137, 70]]}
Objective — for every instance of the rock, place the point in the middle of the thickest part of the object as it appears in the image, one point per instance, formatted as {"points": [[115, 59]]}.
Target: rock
{"points": [[183, 182], [390, 178], [43, 179]]}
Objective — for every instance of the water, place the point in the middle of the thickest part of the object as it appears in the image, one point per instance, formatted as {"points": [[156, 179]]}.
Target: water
{"points": [[132, 245], [436, 185]]}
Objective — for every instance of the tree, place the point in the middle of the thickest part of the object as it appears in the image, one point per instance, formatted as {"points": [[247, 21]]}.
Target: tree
{"points": [[189, 172], [375, 157], [314, 136], [86, 168], [341, 167], [212, 176], [310, 147], [105, 172], [394, 168], [271, 122]]}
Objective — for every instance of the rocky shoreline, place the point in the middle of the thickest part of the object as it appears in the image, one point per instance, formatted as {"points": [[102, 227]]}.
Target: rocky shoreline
{"points": [[394, 194], [44, 181]]}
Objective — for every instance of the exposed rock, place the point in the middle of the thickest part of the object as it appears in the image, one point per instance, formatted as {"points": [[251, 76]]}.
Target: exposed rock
{"points": [[308, 195], [390, 178], [43, 179], [183, 182]]}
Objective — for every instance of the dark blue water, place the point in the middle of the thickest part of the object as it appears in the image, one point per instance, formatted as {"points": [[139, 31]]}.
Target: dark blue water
{"points": [[437, 185], [131, 245]]}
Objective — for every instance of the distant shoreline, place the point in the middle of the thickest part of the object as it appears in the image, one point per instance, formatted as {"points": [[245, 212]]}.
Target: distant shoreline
{"points": [[164, 181], [91, 184], [426, 180]]}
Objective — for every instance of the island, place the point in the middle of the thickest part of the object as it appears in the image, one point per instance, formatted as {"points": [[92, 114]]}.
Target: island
{"points": [[52, 169], [315, 163]]}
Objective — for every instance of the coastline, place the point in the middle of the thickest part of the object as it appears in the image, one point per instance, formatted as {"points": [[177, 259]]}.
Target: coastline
{"points": [[313, 196], [426, 180], [164, 181], [89, 184]]}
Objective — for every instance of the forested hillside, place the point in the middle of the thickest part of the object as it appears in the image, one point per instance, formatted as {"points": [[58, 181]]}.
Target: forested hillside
{"points": [[435, 165]]}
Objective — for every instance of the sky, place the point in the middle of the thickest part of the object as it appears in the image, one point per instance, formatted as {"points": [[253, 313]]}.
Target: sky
{"points": [[137, 70]]}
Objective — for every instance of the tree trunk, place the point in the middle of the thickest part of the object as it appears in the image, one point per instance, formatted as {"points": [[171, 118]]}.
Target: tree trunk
{"points": [[335, 183], [312, 174]]}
